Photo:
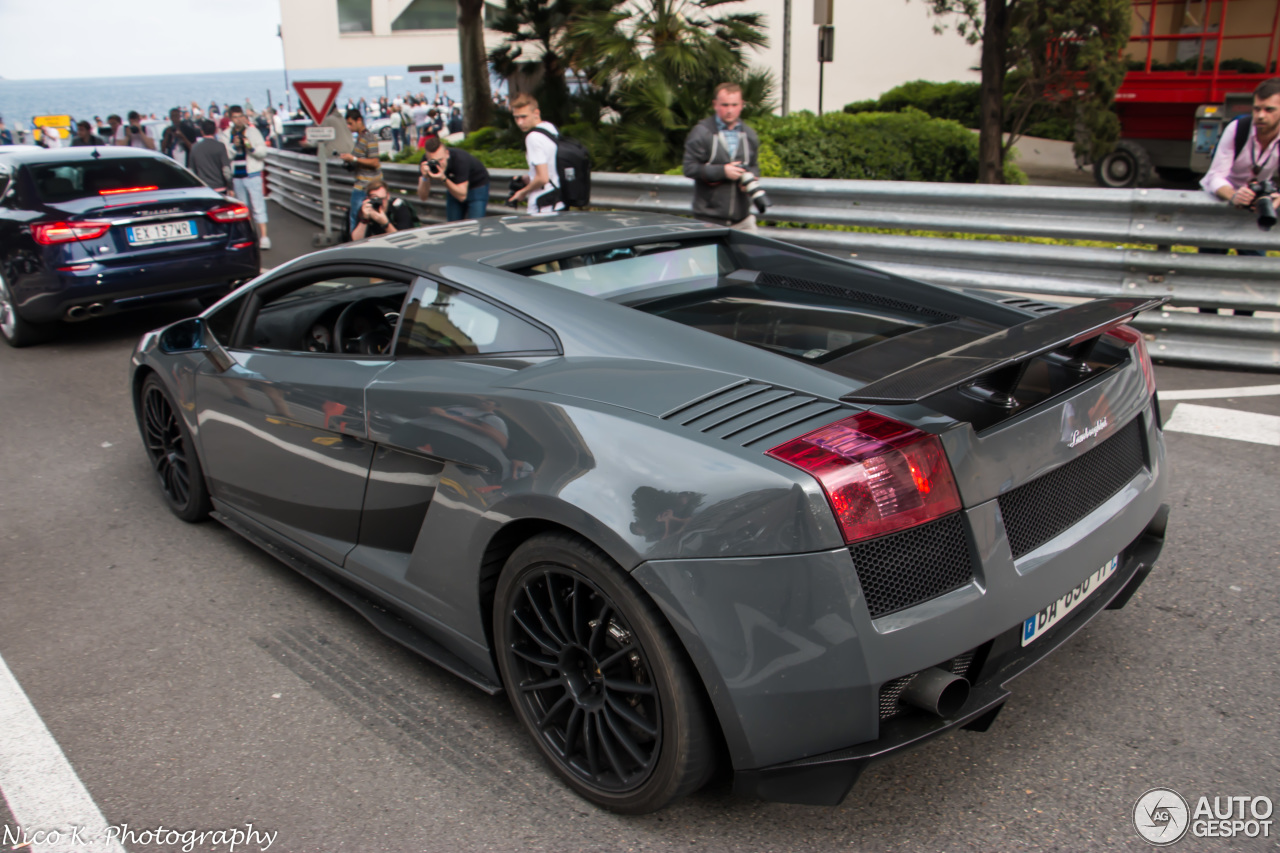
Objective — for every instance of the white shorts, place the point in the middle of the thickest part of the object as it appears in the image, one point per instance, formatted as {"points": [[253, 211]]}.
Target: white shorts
{"points": [[249, 190]]}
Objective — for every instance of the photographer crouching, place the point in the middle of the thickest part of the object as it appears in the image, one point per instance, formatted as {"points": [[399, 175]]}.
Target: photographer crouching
{"points": [[1243, 171], [466, 180], [722, 155], [381, 214]]}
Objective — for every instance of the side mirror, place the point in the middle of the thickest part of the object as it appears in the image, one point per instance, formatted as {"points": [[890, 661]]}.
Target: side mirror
{"points": [[193, 336]]}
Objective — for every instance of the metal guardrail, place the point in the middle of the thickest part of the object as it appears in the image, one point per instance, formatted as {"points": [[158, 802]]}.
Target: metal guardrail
{"points": [[1155, 220]]}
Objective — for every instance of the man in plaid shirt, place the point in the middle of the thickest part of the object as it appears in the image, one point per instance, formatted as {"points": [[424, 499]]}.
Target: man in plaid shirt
{"points": [[364, 156]]}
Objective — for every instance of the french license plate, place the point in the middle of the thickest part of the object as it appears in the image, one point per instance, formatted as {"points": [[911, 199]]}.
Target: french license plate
{"points": [[1035, 626], [161, 232]]}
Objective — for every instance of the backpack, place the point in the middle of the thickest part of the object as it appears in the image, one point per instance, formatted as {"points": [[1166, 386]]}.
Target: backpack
{"points": [[573, 168], [1243, 123]]}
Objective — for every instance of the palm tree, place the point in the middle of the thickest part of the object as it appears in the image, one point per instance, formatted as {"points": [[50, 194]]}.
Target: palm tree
{"points": [[658, 63]]}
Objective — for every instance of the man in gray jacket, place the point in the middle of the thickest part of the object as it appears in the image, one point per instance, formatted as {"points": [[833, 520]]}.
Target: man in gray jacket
{"points": [[717, 153]]}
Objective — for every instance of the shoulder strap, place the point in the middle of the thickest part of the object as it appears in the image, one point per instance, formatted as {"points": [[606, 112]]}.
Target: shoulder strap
{"points": [[554, 137], [1243, 124]]}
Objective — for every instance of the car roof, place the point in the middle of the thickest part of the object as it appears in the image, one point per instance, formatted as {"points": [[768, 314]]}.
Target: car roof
{"points": [[520, 240], [23, 155]]}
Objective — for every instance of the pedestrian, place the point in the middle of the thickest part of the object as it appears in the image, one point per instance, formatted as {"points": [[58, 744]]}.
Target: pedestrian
{"points": [[6, 135], [1239, 160], [380, 214], [364, 159], [209, 159], [418, 112], [113, 129], [85, 135], [455, 121], [247, 151], [398, 118], [135, 134], [178, 137], [717, 153], [542, 185], [466, 180]]}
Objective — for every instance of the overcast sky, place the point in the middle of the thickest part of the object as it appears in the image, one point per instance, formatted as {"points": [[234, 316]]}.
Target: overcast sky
{"points": [[121, 38]]}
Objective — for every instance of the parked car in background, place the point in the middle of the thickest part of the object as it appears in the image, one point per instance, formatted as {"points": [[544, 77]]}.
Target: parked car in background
{"points": [[90, 231]]}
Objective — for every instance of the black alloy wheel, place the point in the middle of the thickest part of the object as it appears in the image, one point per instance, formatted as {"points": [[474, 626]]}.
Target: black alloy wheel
{"points": [[599, 678], [16, 331], [172, 454]]}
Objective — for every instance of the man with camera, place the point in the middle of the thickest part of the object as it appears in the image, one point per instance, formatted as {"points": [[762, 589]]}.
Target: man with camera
{"points": [[381, 214], [364, 160], [466, 180], [248, 151], [1243, 171], [722, 155], [134, 135]]}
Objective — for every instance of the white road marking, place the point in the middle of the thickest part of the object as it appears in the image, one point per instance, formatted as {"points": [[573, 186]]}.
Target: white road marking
{"points": [[1225, 423], [42, 789], [1222, 393]]}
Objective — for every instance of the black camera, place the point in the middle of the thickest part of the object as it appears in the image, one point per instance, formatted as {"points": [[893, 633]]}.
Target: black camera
{"points": [[750, 185], [517, 183], [375, 203], [433, 166], [1263, 205]]}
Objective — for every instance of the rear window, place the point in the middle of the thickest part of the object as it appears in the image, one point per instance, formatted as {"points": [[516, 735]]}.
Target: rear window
{"points": [[62, 181], [806, 308]]}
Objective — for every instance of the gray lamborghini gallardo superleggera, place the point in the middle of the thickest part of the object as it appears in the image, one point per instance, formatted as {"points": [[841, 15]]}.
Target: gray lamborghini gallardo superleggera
{"points": [[692, 498]]}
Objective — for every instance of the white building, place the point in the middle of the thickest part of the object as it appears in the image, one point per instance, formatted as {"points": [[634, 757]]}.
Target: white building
{"points": [[878, 43]]}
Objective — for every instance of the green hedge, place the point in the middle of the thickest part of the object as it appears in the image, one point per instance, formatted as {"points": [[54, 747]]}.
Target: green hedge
{"points": [[956, 101], [902, 146]]}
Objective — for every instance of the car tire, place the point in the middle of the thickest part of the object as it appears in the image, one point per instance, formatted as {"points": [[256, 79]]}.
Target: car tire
{"points": [[628, 730], [1127, 166], [16, 331], [172, 453], [385, 133]]}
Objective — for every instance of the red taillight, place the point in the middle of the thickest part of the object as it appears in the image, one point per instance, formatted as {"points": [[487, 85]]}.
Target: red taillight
{"points": [[128, 190], [50, 233], [1133, 338], [879, 475], [229, 213]]}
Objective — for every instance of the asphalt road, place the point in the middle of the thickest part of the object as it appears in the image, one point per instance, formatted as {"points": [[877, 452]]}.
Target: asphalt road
{"points": [[194, 682]]}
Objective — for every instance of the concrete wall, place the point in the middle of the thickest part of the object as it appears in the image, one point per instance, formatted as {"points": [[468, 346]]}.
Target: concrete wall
{"points": [[879, 44]]}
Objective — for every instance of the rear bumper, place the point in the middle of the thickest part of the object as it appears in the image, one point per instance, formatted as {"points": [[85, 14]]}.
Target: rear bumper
{"points": [[115, 288], [827, 778]]}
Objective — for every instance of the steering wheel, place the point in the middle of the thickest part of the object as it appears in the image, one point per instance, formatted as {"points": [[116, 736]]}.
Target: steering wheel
{"points": [[379, 328]]}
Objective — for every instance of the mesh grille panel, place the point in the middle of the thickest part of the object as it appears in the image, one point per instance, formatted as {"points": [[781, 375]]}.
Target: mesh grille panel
{"points": [[1036, 512], [904, 569]]}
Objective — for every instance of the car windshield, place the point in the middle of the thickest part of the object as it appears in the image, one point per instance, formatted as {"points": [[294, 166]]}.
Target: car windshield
{"points": [[806, 308], [63, 181]]}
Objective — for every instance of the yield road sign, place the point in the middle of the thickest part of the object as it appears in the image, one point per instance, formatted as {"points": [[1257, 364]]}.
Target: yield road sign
{"points": [[317, 96]]}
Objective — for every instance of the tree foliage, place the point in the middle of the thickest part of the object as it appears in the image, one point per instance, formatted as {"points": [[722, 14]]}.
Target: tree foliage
{"points": [[647, 69], [1063, 53]]}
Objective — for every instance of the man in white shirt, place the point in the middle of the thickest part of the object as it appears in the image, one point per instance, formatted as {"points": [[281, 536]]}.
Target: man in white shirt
{"points": [[542, 192], [134, 134]]}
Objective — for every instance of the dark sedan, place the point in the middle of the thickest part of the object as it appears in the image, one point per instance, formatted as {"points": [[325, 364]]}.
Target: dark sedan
{"points": [[691, 497], [91, 231]]}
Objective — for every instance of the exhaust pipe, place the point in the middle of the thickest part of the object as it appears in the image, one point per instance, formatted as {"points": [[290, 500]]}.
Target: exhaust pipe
{"points": [[77, 312], [937, 691], [96, 308]]}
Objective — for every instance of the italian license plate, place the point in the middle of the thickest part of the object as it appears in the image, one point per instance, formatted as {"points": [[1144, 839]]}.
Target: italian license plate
{"points": [[161, 232], [1035, 626]]}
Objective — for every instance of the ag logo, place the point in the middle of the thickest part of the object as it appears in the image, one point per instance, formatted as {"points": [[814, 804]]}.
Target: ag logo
{"points": [[1161, 816]]}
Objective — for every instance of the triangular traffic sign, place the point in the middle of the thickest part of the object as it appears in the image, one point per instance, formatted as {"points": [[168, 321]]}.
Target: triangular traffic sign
{"points": [[317, 96]]}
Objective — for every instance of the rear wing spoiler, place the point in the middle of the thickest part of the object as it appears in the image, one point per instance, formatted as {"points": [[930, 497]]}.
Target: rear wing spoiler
{"points": [[999, 359]]}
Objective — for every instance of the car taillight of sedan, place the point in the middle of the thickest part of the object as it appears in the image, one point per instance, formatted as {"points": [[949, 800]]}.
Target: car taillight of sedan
{"points": [[52, 233], [880, 476], [229, 213]]}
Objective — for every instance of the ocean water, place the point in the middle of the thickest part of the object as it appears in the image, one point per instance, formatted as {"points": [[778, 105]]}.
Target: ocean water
{"points": [[84, 98]]}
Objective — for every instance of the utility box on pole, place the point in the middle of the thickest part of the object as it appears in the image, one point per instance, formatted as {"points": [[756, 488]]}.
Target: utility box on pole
{"points": [[824, 12]]}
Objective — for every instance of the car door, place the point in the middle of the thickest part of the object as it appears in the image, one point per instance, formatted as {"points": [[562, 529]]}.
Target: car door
{"points": [[283, 430], [439, 429]]}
